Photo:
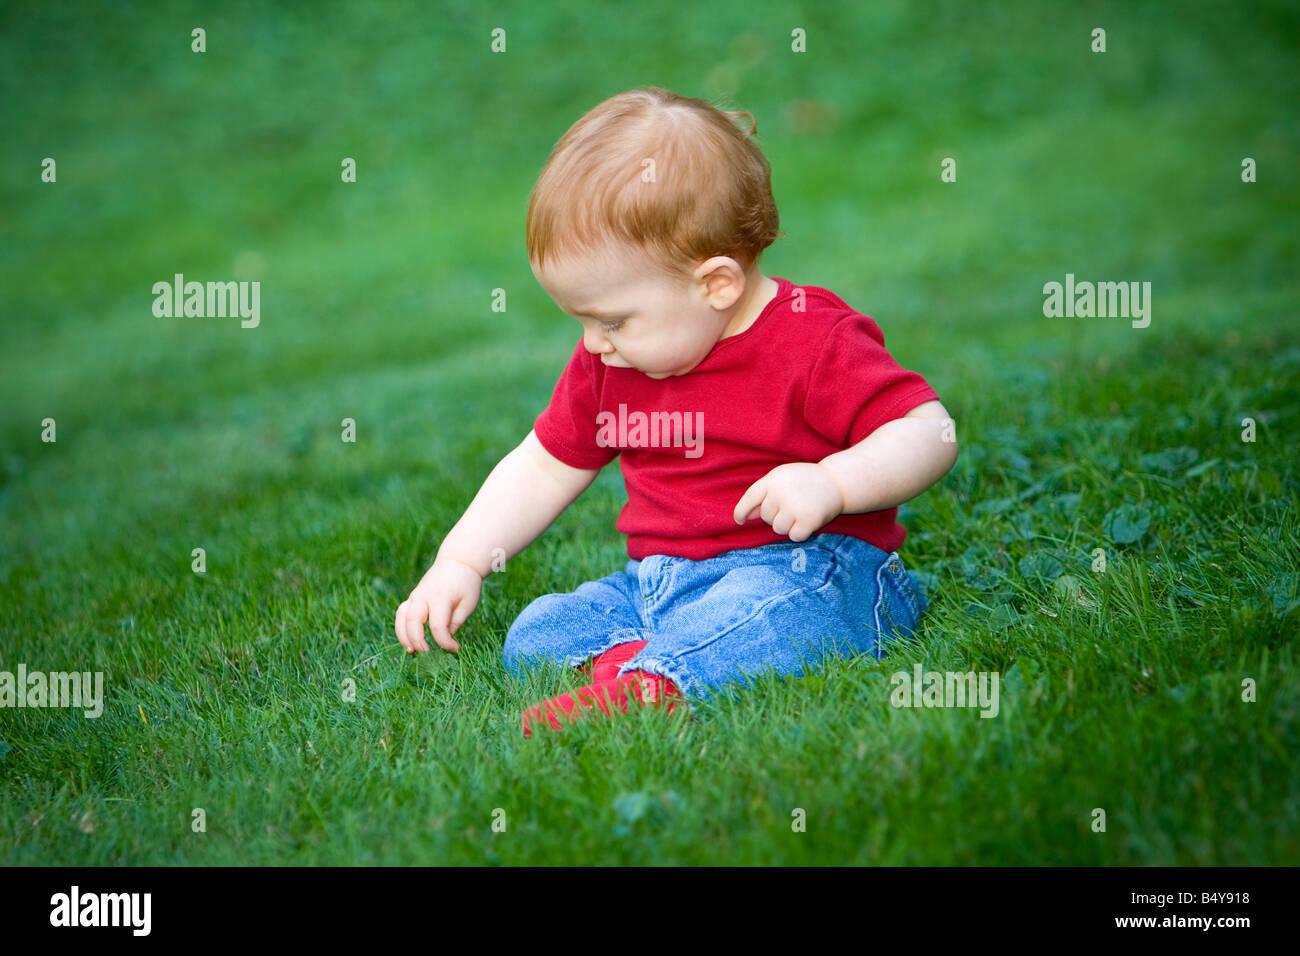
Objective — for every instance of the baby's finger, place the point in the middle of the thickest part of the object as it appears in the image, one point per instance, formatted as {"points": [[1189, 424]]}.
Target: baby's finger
{"points": [[460, 613], [782, 522], [399, 625], [439, 615], [748, 505], [416, 615]]}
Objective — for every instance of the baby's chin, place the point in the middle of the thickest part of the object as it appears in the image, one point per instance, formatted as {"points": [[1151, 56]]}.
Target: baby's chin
{"points": [[680, 371]]}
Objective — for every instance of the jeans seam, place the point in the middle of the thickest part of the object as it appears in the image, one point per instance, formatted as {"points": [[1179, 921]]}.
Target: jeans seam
{"points": [[643, 601], [878, 649], [905, 585]]}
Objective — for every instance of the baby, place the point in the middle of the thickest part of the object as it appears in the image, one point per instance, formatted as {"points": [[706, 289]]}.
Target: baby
{"points": [[766, 436]]}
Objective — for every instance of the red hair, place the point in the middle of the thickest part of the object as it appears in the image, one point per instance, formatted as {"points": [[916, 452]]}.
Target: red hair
{"points": [[672, 176]]}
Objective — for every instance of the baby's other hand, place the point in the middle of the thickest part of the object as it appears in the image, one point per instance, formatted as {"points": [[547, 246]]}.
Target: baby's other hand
{"points": [[795, 499], [444, 598]]}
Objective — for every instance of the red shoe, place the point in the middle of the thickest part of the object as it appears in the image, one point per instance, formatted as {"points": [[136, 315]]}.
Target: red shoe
{"points": [[599, 667], [646, 689], [606, 666]]}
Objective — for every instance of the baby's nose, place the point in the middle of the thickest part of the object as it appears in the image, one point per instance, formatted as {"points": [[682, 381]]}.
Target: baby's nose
{"points": [[596, 344]]}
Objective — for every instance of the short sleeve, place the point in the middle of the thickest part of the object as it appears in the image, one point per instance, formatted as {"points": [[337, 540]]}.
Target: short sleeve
{"points": [[567, 427], [855, 386]]}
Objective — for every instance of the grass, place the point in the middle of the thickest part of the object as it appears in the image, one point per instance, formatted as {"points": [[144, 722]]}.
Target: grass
{"points": [[225, 691]]}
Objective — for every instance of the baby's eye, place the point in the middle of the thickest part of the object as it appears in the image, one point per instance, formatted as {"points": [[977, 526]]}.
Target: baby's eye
{"points": [[613, 328]]}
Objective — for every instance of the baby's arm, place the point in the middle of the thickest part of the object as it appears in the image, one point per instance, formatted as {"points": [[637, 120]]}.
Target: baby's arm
{"points": [[525, 492], [895, 463]]}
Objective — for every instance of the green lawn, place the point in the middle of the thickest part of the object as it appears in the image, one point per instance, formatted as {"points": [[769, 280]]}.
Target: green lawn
{"points": [[225, 691]]}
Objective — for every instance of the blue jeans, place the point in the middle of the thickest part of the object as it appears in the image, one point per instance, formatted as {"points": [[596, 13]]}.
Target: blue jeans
{"points": [[783, 606]]}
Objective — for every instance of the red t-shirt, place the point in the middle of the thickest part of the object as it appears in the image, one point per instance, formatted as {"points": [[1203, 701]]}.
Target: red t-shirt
{"points": [[808, 378]]}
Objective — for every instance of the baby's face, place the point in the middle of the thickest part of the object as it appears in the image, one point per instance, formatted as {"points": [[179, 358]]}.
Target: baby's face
{"points": [[633, 318]]}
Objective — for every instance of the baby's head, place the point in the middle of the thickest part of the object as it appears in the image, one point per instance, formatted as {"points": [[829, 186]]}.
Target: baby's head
{"points": [[647, 224]]}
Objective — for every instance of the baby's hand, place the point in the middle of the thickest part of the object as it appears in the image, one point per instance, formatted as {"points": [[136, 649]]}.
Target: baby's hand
{"points": [[444, 598], [795, 499]]}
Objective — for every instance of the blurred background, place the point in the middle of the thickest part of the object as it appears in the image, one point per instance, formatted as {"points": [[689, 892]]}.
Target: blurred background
{"points": [[376, 295]]}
